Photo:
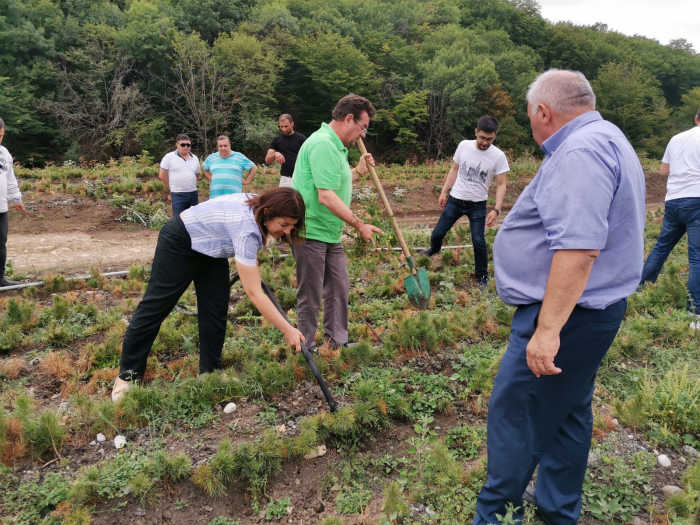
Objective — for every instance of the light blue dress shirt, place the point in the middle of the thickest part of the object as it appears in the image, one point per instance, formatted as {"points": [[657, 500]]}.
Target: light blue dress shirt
{"points": [[588, 194]]}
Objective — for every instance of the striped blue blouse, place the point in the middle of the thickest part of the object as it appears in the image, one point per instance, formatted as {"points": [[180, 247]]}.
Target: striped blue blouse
{"points": [[225, 227]]}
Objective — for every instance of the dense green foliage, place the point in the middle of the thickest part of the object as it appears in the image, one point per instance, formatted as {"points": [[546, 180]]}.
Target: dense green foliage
{"points": [[106, 78]]}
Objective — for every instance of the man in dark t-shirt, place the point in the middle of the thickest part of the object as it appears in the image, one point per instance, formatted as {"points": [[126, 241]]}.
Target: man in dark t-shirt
{"points": [[284, 149]]}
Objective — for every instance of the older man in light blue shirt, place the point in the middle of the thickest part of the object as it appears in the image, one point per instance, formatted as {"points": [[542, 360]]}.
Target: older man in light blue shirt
{"points": [[568, 255]]}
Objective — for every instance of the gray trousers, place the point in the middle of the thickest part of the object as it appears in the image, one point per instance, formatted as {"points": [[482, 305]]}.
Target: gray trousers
{"points": [[322, 270]]}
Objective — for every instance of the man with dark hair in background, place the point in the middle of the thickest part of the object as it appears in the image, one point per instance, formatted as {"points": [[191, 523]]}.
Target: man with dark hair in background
{"points": [[9, 192], [681, 164], [179, 171], [323, 177], [284, 149], [225, 169], [476, 162]]}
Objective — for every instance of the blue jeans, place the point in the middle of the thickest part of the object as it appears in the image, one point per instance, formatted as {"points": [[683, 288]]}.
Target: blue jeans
{"points": [[545, 421], [454, 210], [183, 201], [681, 216]]}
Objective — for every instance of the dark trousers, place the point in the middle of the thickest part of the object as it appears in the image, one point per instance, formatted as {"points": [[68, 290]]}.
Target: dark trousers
{"points": [[545, 421], [322, 269], [454, 210], [175, 266], [4, 227], [681, 216], [183, 201]]}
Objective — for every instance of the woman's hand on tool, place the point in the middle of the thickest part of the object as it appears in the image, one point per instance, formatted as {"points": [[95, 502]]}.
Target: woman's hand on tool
{"points": [[294, 337]]}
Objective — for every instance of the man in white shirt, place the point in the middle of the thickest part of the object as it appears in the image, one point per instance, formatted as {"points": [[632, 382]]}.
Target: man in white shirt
{"points": [[476, 162], [179, 171], [9, 193], [681, 164]]}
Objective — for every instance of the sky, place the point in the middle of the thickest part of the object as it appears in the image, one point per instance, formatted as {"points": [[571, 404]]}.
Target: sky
{"points": [[662, 20]]}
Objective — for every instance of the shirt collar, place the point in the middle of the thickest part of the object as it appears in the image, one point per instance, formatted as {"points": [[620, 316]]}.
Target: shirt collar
{"points": [[183, 158], [550, 145], [334, 136]]}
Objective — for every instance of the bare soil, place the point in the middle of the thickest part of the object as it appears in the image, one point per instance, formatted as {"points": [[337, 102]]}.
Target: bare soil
{"points": [[73, 234]]}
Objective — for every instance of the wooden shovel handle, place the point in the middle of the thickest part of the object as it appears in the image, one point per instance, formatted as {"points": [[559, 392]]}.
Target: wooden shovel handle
{"points": [[385, 202]]}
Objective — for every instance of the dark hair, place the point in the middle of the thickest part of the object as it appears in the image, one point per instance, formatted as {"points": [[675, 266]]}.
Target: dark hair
{"points": [[223, 137], [487, 124], [280, 202], [353, 105], [182, 137], [2, 123], [285, 116], [698, 115]]}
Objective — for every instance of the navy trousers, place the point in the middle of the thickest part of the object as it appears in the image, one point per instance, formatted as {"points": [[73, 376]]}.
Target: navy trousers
{"points": [[184, 201], [545, 421], [454, 210]]}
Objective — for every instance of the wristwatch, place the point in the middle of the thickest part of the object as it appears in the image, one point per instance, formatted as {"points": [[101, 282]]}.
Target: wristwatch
{"points": [[498, 212]]}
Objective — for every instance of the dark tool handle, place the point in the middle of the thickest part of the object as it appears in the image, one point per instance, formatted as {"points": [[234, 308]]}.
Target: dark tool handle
{"points": [[304, 349]]}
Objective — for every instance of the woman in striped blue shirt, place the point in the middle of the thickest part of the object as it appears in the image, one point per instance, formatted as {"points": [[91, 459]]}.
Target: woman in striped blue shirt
{"points": [[195, 247]]}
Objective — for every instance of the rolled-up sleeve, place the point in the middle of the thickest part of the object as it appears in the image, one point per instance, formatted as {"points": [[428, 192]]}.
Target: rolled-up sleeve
{"points": [[245, 248], [574, 199]]}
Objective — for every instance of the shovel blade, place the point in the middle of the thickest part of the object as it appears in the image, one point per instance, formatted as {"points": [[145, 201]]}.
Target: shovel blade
{"points": [[418, 289]]}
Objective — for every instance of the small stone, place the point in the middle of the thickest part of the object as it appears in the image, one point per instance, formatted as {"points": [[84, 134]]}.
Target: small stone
{"points": [[690, 451], [630, 436], [664, 461], [430, 512], [317, 452], [281, 429], [656, 453], [139, 512], [593, 459], [290, 509], [297, 482], [101, 438], [230, 408], [93, 442], [119, 442], [207, 508], [669, 490], [637, 521]]}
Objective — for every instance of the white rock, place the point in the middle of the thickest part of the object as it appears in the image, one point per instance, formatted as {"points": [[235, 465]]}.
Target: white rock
{"points": [[317, 452], [690, 451], [664, 461], [672, 489], [101, 438], [282, 429], [93, 442], [119, 442], [230, 408]]}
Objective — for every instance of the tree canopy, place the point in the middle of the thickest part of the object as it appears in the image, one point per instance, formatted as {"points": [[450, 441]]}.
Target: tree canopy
{"points": [[105, 78]]}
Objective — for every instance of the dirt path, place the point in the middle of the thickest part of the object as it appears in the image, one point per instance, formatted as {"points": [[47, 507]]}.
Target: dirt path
{"points": [[67, 234]]}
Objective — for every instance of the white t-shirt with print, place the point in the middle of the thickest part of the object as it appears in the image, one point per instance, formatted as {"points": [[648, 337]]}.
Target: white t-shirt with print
{"points": [[477, 169], [182, 174], [683, 155]]}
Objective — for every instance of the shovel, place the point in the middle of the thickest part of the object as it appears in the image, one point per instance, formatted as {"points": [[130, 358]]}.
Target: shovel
{"points": [[417, 284], [304, 349]]}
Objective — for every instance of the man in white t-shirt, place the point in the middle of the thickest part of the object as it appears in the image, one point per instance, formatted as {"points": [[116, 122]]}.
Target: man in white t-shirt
{"points": [[179, 171], [681, 164], [476, 162]]}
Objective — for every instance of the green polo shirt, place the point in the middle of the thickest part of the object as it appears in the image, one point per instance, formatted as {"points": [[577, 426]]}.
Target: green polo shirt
{"points": [[322, 164]]}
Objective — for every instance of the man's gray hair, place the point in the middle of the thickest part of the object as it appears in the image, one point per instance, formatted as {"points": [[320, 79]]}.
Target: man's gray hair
{"points": [[562, 90], [223, 137], [2, 124]]}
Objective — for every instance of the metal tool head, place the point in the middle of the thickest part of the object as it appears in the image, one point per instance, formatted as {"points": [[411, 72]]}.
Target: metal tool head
{"points": [[417, 286]]}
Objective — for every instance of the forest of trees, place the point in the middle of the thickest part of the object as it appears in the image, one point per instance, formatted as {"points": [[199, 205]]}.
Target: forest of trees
{"points": [[95, 79]]}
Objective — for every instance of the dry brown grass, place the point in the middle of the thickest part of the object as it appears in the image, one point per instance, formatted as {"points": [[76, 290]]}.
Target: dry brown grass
{"points": [[101, 380], [13, 367], [57, 364]]}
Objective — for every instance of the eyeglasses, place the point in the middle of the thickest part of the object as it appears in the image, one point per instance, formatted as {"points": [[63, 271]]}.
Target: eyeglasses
{"points": [[185, 144], [485, 139], [363, 128]]}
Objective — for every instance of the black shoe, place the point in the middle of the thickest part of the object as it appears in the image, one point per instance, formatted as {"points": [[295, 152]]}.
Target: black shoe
{"points": [[427, 253], [483, 283], [335, 346], [8, 282]]}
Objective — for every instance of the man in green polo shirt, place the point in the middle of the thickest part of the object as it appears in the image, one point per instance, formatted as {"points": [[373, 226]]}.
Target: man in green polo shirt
{"points": [[323, 176]]}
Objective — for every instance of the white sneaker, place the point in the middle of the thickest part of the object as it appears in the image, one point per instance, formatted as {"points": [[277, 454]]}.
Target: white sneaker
{"points": [[120, 388]]}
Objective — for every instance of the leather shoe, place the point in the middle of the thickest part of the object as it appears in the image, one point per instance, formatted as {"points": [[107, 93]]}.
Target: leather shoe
{"points": [[8, 282]]}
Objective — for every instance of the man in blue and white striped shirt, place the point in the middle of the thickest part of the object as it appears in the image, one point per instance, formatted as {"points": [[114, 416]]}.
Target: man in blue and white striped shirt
{"points": [[225, 168]]}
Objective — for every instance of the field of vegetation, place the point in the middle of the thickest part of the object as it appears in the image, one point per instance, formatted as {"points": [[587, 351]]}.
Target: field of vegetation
{"points": [[407, 445]]}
